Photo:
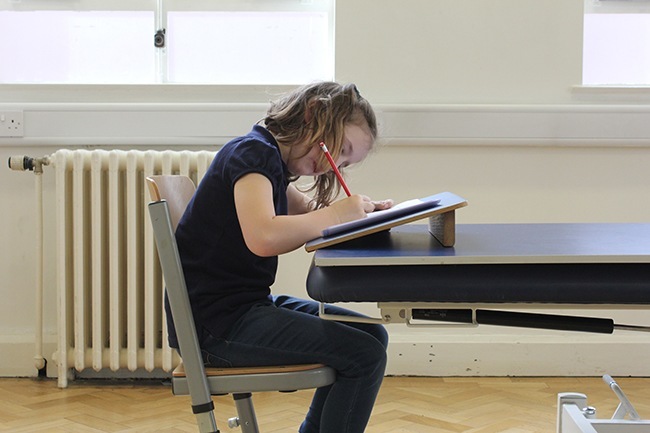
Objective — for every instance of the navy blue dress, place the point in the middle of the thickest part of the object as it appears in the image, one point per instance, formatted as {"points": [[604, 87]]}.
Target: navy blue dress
{"points": [[224, 278]]}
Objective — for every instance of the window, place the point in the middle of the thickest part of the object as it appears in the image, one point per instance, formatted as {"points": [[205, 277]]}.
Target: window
{"points": [[198, 42], [76, 47], [616, 47], [246, 47]]}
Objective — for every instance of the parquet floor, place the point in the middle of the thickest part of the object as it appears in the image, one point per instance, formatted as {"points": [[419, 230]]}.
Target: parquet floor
{"points": [[405, 404]]}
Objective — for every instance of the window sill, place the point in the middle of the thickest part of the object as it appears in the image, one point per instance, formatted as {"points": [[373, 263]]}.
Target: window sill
{"points": [[140, 93], [613, 93]]}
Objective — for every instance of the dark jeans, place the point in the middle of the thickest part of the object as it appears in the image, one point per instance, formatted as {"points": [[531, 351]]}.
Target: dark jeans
{"points": [[289, 331]]}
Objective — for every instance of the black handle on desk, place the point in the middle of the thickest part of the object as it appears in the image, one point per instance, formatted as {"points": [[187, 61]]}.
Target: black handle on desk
{"points": [[517, 319], [545, 321]]}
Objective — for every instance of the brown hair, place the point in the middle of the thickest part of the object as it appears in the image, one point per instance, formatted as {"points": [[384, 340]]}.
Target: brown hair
{"points": [[319, 112]]}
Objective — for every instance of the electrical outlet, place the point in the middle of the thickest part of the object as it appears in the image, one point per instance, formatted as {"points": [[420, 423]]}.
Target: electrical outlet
{"points": [[11, 124]]}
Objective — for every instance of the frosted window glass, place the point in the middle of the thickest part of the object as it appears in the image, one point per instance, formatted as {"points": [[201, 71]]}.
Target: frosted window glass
{"points": [[77, 47], [248, 47], [616, 49]]}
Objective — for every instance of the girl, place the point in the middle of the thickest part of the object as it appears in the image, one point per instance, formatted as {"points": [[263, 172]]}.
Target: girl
{"points": [[246, 212]]}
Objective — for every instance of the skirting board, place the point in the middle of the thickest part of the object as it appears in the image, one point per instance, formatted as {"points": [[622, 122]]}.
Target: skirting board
{"points": [[622, 354], [17, 356], [476, 355]]}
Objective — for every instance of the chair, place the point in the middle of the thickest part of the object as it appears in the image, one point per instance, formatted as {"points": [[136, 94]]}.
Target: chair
{"points": [[171, 195]]}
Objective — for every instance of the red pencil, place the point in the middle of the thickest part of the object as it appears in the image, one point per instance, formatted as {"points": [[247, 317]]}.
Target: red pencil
{"points": [[335, 168]]}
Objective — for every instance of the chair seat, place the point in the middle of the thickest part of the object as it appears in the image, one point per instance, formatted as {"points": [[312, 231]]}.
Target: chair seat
{"points": [[179, 371], [258, 379]]}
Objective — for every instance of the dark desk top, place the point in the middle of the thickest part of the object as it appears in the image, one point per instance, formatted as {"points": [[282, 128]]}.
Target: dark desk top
{"points": [[497, 243], [491, 263]]}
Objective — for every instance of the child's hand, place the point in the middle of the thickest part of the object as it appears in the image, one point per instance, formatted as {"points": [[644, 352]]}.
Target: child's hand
{"points": [[352, 208], [383, 204]]}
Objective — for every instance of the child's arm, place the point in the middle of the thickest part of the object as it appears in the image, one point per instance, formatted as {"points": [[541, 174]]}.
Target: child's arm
{"points": [[298, 201], [268, 234]]}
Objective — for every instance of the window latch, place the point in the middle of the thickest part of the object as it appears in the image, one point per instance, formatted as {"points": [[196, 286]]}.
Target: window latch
{"points": [[159, 39]]}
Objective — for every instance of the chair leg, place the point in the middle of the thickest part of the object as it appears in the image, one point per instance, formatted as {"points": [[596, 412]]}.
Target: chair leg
{"points": [[206, 422], [246, 413]]}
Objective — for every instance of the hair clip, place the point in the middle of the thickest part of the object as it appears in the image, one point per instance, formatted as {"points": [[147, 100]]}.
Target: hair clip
{"points": [[357, 91]]}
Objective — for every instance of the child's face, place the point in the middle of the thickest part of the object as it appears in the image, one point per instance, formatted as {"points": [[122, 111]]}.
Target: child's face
{"points": [[357, 142]]}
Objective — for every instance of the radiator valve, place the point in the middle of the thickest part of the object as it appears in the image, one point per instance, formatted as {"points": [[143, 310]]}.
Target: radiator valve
{"points": [[24, 163]]}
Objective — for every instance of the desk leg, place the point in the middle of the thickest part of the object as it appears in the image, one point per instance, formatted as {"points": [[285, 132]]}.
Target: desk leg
{"points": [[443, 228]]}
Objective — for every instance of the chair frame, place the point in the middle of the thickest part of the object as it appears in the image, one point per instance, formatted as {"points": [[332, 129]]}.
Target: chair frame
{"points": [[191, 377]]}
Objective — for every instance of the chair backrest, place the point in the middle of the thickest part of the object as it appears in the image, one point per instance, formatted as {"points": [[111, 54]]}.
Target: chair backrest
{"points": [[177, 190], [174, 192]]}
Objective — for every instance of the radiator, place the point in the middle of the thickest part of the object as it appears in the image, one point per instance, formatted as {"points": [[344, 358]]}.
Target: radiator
{"points": [[109, 284]]}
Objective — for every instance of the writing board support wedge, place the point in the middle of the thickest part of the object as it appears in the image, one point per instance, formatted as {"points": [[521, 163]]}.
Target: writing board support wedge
{"points": [[443, 228]]}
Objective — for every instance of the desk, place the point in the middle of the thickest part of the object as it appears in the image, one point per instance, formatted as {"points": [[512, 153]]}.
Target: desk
{"points": [[505, 266], [565, 265]]}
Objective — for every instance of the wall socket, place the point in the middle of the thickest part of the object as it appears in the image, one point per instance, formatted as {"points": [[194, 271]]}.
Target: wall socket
{"points": [[11, 124]]}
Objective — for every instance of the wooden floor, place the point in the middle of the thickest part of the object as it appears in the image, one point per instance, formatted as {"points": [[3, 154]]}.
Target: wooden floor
{"points": [[405, 404]]}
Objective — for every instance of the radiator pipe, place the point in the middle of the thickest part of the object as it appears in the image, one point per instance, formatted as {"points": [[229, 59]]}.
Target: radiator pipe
{"points": [[39, 360], [24, 163]]}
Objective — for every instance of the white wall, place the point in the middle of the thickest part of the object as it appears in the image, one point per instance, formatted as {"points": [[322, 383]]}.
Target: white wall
{"points": [[477, 98], [447, 51]]}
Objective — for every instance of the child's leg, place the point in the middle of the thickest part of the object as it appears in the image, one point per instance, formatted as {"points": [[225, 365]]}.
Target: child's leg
{"points": [[311, 307], [314, 417], [288, 332]]}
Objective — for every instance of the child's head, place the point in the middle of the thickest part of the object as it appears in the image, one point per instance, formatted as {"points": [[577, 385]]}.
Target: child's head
{"points": [[320, 112]]}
